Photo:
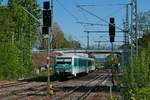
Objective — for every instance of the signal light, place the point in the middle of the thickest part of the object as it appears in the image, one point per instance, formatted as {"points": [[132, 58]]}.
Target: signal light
{"points": [[112, 20], [112, 26], [112, 29], [47, 18], [45, 30], [46, 5]]}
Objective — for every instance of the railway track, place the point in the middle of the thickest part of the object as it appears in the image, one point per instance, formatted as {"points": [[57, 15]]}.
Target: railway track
{"points": [[19, 89], [11, 84], [32, 91], [77, 88], [84, 87], [85, 84], [22, 91], [87, 94]]}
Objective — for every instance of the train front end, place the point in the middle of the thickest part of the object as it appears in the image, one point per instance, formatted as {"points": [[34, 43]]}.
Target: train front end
{"points": [[63, 65]]}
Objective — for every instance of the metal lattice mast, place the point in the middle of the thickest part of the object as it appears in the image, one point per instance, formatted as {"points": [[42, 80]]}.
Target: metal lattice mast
{"points": [[134, 40], [127, 25], [125, 56]]}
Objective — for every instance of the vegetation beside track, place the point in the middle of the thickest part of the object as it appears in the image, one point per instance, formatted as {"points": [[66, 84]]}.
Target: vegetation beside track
{"points": [[136, 76], [18, 34]]}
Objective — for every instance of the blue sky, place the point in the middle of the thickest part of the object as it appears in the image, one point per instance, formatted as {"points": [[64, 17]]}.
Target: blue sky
{"points": [[68, 23], [68, 15]]}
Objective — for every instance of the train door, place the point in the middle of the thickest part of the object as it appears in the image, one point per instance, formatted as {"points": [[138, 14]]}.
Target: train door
{"points": [[86, 66], [75, 66]]}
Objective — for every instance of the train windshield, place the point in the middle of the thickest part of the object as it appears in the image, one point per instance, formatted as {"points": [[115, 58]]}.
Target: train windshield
{"points": [[63, 60]]}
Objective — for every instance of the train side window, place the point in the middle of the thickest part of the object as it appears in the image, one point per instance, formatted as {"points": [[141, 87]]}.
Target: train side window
{"points": [[90, 63], [76, 62], [80, 62]]}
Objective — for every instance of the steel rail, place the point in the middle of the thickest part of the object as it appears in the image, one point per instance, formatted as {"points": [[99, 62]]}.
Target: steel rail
{"points": [[13, 84], [85, 95], [84, 84]]}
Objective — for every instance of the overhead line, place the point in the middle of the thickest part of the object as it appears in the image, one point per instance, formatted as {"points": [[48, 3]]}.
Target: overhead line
{"points": [[98, 17], [67, 10], [115, 12], [100, 31], [88, 5], [83, 14], [31, 15], [87, 23]]}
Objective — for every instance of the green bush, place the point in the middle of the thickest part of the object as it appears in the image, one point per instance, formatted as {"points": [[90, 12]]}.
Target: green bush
{"points": [[143, 93], [136, 76]]}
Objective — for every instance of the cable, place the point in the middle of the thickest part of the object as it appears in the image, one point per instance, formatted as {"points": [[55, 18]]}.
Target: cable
{"points": [[103, 5], [83, 15], [72, 15], [115, 12], [98, 17], [67, 10]]}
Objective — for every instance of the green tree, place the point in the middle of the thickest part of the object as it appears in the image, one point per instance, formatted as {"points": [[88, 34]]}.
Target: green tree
{"points": [[143, 42], [58, 36], [15, 24], [26, 27], [143, 22], [60, 41], [8, 50]]}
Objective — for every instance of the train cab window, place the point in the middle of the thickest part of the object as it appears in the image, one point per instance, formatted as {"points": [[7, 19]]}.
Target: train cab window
{"points": [[63, 61]]}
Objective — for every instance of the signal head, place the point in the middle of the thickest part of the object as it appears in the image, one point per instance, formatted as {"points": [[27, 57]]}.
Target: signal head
{"points": [[46, 5]]}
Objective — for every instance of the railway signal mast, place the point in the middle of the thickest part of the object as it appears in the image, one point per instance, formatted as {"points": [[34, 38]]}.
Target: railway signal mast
{"points": [[112, 31], [46, 29]]}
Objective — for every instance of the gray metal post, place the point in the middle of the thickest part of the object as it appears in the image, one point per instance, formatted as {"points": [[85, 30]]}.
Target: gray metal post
{"points": [[134, 38], [125, 56], [112, 65], [49, 47], [125, 43], [87, 40], [110, 90]]}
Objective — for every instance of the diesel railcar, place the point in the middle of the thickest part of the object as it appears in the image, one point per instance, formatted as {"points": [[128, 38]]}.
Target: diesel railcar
{"points": [[73, 65]]}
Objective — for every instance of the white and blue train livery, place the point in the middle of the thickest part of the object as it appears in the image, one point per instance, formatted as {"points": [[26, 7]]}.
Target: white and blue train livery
{"points": [[73, 65]]}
